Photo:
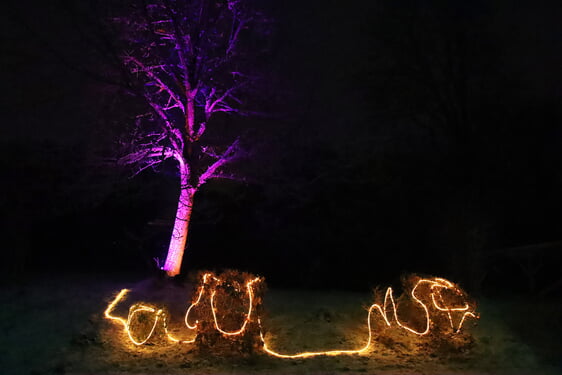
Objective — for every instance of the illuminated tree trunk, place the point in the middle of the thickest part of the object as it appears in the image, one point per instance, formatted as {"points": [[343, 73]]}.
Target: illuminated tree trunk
{"points": [[181, 225], [187, 57]]}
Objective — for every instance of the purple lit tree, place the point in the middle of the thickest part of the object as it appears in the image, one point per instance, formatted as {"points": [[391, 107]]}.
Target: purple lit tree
{"points": [[190, 58]]}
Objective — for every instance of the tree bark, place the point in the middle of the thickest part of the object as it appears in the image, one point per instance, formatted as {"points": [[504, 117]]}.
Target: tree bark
{"points": [[181, 225]]}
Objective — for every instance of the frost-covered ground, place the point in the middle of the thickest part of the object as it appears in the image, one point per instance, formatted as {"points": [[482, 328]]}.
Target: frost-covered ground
{"points": [[56, 326]]}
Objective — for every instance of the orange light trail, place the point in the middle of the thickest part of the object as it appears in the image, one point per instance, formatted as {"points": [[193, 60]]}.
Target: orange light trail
{"points": [[201, 290], [159, 315], [436, 286], [248, 314]]}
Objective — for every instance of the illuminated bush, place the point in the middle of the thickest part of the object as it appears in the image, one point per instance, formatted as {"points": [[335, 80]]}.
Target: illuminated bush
{"points": [[224, 315], [432, 308], [225, 310], [146, 322]]}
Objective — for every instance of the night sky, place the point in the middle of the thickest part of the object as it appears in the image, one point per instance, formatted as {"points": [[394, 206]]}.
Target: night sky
{"points": [[397, 137]]}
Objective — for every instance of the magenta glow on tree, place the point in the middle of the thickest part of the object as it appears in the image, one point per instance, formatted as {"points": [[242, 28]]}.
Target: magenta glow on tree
{"points": [[189, 56]]}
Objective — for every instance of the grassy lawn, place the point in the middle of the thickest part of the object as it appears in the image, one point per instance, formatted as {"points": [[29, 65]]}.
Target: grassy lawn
{"points": [[56, 326]]}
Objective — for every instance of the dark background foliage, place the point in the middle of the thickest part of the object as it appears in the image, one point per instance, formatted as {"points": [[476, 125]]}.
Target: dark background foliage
{"points": [[399, 137]]}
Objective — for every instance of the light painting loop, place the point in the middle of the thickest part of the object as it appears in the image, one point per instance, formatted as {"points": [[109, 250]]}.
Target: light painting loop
{"points": [[436, 287]]}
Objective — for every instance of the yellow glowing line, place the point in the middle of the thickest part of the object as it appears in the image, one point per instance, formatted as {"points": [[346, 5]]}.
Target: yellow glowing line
{"points": [[445, 284], [326, 353], [173, 339], [442, 308], [436, 285], [415, 298], [468, 313], [464, 308], [248, 314], [132, 313], [127, 323], [111, 306], [201, 290], [383, 311], [441, 280]]}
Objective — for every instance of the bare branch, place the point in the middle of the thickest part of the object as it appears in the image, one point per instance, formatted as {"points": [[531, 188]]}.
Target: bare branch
{"points": [[234, 36], [228, 176], [230, 154], [211, 105], [148, 71], [192, 63], [149, 154]]}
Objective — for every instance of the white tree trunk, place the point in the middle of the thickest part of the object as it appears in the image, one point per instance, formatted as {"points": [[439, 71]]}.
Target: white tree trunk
{"points": [[181, 225]]}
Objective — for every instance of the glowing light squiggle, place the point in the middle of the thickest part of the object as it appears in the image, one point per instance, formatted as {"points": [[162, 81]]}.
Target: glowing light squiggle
{"points": [[248, 314], [436, 286], [135, 309]]}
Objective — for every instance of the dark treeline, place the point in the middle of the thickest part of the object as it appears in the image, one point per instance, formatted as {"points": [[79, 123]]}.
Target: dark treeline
{"points": [[400, 138]]}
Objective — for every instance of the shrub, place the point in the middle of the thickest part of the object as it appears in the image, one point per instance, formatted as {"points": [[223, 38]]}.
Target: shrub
{"points": [[226, 309]]}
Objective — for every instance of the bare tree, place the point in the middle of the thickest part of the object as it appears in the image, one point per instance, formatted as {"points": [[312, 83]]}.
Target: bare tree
{"points": [[191, 58]]}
